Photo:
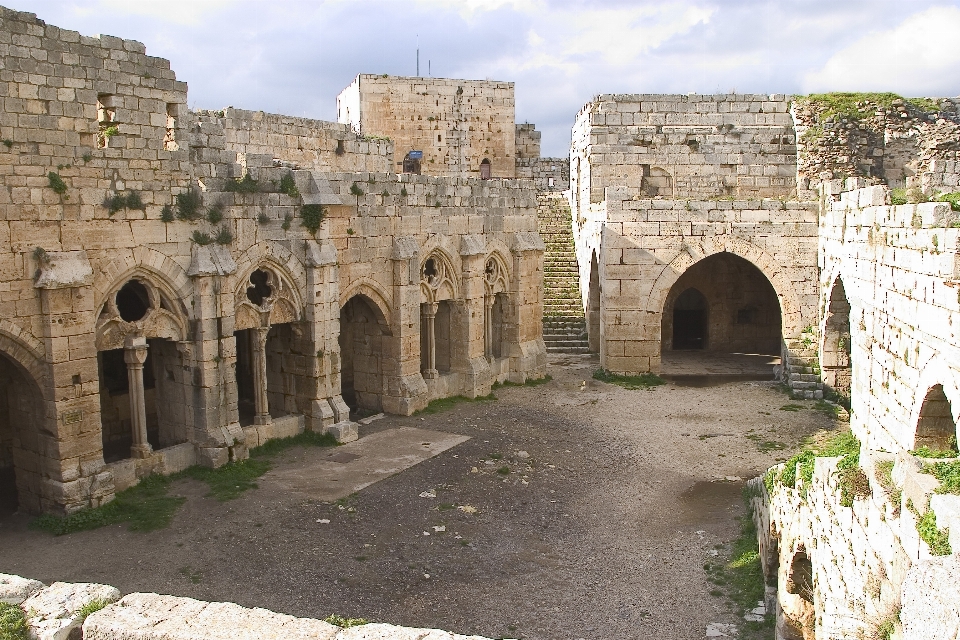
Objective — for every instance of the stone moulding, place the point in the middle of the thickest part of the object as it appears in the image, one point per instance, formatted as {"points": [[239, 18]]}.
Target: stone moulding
{"points": [[63, 269]]}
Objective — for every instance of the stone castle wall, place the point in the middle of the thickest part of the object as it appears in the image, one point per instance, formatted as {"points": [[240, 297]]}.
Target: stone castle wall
{"points": [[130, 246], [640, 248], [683, 147], [457, 124], [898, 268]]}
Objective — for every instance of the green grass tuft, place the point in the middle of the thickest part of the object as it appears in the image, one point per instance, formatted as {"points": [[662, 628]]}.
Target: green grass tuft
{"points": [[340, 621], [531, 382], [642, 381], [146, 507], [948, 473], [90, 608], [13, 622], [937, 539], [443, 404]]}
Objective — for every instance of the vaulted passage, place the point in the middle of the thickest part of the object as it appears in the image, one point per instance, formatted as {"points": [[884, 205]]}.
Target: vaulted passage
{"points": [[835, 360], [725, 304], [936, 429], [21, 439], [362, 351]]}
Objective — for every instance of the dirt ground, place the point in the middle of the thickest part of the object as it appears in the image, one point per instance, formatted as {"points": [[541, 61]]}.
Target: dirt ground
{"points": [[613, 502]]}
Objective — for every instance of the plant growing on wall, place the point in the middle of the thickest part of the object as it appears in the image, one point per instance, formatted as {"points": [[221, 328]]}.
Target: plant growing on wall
{"points": [[166, 214], [133, 201], [215, 213], [244, 185], [311, 215], [202, 239], [114, 203], [224, 236], [288, 185], [355, 190], [56, 183], [188, 205]]}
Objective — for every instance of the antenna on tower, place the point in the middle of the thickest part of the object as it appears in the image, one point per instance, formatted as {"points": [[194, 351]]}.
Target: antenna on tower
{"points": [[418, 55]]}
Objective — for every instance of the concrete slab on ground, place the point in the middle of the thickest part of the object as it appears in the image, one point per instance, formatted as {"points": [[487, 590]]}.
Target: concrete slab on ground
{"points": [[336, 473]]}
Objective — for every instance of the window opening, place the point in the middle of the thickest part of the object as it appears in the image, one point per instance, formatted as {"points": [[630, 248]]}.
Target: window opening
{"points": [[260, 290], [485, 167], [170, 137], [133, 301]]}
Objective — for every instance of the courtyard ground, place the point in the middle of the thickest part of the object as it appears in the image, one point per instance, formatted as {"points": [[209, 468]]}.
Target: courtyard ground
{"points": [[576, 509]]}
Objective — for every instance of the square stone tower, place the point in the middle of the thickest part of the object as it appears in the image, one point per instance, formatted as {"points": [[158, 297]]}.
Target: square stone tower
{"points": [[439, 126]]}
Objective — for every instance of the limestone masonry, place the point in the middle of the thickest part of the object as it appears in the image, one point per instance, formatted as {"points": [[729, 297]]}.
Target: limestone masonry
{"points": [[179, 286]]}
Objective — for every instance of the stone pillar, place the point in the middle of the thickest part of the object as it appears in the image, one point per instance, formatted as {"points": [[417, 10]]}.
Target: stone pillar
{"points": [[488, 300], [67, 471], [474, 329], [430, 315], [405, 390], [260, 400], [135, 354]]}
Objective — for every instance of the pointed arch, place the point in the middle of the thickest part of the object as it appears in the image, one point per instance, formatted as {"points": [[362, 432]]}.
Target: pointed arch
{"points": [[375, 293]]}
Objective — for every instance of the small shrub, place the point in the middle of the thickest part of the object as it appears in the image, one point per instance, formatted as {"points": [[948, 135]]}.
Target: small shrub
{"points": [[134, 202], [111, 131], [224, 236], [356, 190], [898, 196], [56, 183], [263, 218], [311, 216], [403, 192], [8, 143], [244, 185], [937, 539], [202, 239], [642, 381], [385, 193], [87, 157], [166, 214], [215, 214], [350, 232], [288, 186], [952, 198], [287, 219], [188, 205], [114, 203], [948, 473], [13, 622]]}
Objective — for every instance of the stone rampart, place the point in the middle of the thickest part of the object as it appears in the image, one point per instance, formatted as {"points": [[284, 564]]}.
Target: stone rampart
{"points": [[889, 279], [857, 569]]}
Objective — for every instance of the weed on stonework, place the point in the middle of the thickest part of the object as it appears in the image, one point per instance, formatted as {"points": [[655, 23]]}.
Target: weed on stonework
{"points": [[91, 608], [13, 622], [531, 382], [642, 381], [340, 621], [146, 507], [739, 577], [443, 404]]}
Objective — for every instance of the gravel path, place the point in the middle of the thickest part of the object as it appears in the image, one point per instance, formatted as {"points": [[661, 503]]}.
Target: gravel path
{"points": [[595, 510]]}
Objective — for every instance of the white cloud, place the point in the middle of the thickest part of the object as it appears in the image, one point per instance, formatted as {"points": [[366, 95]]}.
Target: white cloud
{"points": [[178, 11], [918, 57]]}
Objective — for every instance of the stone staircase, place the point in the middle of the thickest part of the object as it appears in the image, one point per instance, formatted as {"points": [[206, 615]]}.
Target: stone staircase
{"points": [[564, 327]]}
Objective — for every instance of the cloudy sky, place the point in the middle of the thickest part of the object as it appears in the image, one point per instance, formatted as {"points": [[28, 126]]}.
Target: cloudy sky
{"points": [[294, 56]]}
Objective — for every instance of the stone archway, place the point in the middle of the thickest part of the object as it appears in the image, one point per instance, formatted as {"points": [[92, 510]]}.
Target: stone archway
{"points": [[593, 305], [741, 309], [936, 428], [835, 360], [363, 349], [22, 415]]}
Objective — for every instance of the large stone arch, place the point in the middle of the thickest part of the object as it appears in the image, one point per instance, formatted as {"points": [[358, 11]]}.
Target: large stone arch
{"points": [[26, 350], [692, 253]]}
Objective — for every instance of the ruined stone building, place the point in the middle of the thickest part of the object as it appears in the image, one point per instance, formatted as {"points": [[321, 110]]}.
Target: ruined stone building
{"points": [[178, 287]]}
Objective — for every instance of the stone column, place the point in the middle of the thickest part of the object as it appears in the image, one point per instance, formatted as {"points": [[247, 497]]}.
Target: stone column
{"points": [[135, 354], [488, 300], [430, 314], [260, 400]]}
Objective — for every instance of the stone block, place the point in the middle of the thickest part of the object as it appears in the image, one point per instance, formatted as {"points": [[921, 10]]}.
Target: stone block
{"points": [[343, 431], [54, 612], [14, 589]]}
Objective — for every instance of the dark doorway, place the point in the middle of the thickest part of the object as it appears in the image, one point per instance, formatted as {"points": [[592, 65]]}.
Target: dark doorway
{"points": [[411, 162], [362, 344], [485, 170], [22, 439], [246, 406], [690, 320]]}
